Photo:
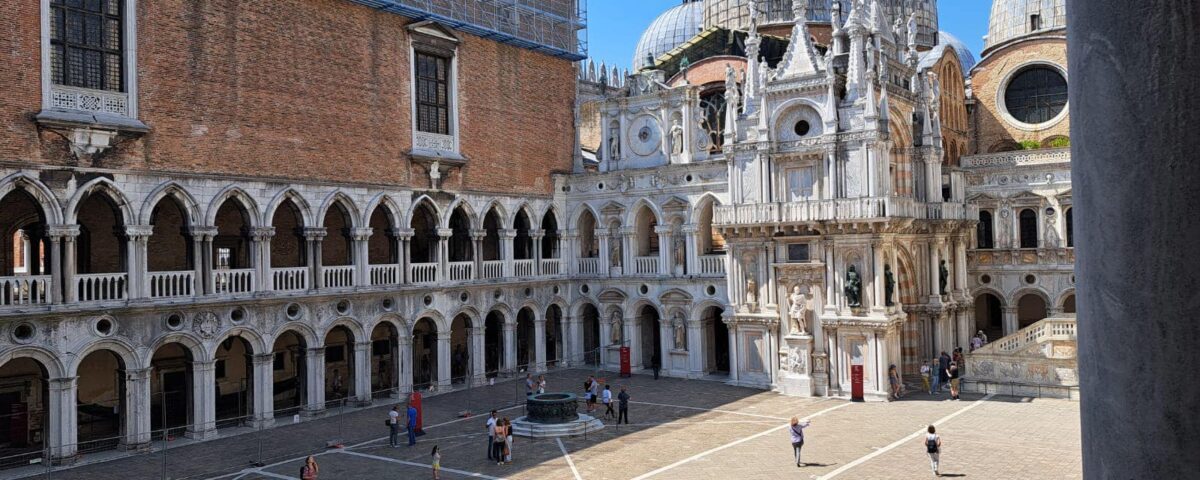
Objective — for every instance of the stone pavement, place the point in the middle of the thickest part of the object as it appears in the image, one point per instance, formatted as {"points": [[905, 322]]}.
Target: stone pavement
{"points": [[682, 429]]}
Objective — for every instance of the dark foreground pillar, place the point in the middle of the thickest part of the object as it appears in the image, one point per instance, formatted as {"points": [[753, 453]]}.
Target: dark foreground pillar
{"points": [[1135, 124]]}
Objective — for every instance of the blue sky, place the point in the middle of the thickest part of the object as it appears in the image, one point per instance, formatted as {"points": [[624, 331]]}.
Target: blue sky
{"points": [[614, 26]]}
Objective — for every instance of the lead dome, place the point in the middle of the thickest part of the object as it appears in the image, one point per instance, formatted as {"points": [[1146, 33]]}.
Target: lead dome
{"points": [[675, 26], [1017, 18]]}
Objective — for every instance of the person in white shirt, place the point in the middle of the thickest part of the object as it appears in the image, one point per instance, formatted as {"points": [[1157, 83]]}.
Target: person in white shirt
{"points": [[933, 446], [925, 374], [491, 431], [394, 426], [606, 398]]}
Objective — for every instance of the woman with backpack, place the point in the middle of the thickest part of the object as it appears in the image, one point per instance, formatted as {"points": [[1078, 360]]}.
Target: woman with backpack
{"points": [[933, 446], [310, 469], [797, 429]]}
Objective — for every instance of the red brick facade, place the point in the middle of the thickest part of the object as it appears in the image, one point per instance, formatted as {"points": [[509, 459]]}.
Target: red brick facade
{"points": [[301, 89]]}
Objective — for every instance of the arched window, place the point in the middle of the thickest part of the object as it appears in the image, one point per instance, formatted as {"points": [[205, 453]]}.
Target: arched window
{"points": [[712, 103], [1070, 228], [1029, 228], [983, 231]]}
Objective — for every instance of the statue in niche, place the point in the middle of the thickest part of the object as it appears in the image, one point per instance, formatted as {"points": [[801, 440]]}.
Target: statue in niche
{"points": [[614, 252], [889, 285], [751, 285], [829, 62], [764, 71], [680, 328], [614, 143], [943, 275], [912, 31], [853, 289], [680, 248], [676, 137], [797, 311], [1052, 239], [615, 333]]}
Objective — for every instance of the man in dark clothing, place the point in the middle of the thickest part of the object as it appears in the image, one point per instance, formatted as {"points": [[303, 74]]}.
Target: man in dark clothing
{"points": [[623, 406], [412, 425], [943, 368], [656, 364]]}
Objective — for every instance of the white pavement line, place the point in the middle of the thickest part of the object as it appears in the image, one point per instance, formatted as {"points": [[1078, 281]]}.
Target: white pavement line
{"points": [[733, 443], [422, 465], [269, 474], [567, 456], [472, 417], [731, 412], [901, 441]]}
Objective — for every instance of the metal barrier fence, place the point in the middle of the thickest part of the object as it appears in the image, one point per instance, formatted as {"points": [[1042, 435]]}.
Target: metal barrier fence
{"points": [[500, 389]]}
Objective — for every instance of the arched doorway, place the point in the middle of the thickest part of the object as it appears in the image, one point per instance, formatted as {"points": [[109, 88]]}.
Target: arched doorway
{"points": [[234, 373], [100, 402], [339, 366], [24, 411], [290, 373], [989, 316], [385, 345], [1030, 309], [171, 390], [591, 334], [716, 336], [525, 339], [424, 354], [460, 349], [651, 332], [554, 337], [493, 343]]}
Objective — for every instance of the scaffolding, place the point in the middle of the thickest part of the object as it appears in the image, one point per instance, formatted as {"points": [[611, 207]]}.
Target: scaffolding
{"points": [[553, 27]]}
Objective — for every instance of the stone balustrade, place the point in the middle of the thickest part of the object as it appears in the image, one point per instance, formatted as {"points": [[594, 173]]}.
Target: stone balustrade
{"points": [[589, 266], [340, 276], [289, 279], [388, 274], [1018, 158], [712, 265], [423, 272], [95, 287], [462, 271], [864, 208], [492, 269], [25, 290], [523, 268], [233, 281], [551, 266], [646, 265], [172, 284]]}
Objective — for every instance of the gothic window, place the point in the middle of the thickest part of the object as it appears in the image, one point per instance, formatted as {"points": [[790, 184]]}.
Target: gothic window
{"points": [[1036, 94], [1070, 226], [1029, 228], [984, 239], [85, 44], [433, 93], [713, 105]]}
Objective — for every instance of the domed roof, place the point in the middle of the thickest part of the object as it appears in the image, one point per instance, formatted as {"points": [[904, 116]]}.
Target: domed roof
{"points": [[735, 14], [669, 30], [1016, 18], [964, 54]]}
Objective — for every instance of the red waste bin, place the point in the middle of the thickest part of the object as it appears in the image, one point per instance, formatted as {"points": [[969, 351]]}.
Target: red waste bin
{"points": [[856, 383], [415, 401], [626, 368]]}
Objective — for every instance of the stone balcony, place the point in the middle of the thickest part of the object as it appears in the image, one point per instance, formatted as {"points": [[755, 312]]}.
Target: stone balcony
{"points": [[842, 209], [1018, 158]]}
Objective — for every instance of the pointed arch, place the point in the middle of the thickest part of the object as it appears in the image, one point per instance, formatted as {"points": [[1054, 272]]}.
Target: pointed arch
{"points": [[636, 209], [706, 199], [174, 190], [577, 215], [460, 202], [530, 214], [394, 212], [239, 196], [339, 197], [306, 213], [37, 190], [109, 189], [426, 201], [500, 211]]}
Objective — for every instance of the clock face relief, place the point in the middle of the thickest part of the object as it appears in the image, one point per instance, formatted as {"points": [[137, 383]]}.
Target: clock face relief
{"points": [[644, 135]]}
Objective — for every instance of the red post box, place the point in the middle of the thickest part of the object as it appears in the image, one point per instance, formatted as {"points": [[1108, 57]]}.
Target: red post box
{"points": [[626, 368], [415, 401], [856, 383]]}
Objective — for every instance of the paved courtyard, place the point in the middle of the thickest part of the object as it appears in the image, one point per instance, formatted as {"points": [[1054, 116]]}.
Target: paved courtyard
{"points": [[681, 429]]}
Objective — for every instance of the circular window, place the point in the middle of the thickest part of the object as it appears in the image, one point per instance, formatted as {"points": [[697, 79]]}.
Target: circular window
{"points": [[343, 307], [600, 186], [644, 289], [711, 290], [1036, 94], [584, 289], [293, 311], [237, 315], [801, 128], [1049, 211], [1030, 279], [428, 300], [387, 304], [688, 178], [496, 294], [104, 327], [174, 321], [23, 333], [464, 296], [985, 279]]}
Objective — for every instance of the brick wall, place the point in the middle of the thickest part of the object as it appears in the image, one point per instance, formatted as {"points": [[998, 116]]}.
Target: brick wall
{"points": [[302, 89], [987, 80]]}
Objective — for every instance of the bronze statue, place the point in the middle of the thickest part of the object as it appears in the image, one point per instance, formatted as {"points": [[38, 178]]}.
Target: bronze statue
{"points": [[889, 283], [943, 274], [853, 288]]}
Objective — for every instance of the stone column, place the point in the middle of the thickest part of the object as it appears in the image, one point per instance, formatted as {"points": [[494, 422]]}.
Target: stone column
{"points": [[264, 390], [1011, 322], [692, 256], [734, 354], [403, 257], [877, 278], [831, 279], [536, 236], [202, 242], [573, 345], [539, 342], [477, 237], [69, 247], [362, 372], [935, 248], [137, 271], [664, 249], [260, 257], [204, 400], [569, 253], [404, 363], [63, 428], [478, 370], [605, 265], [628, 250], [510, 347], [57, 234], [633, 339], [315, 381], [443, 362], [443, 254], [137, 408], [314, 237], [506, 249], [362, 263]]}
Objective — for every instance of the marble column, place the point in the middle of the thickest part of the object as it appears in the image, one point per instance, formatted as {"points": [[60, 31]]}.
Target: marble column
{"points": [[362, 264], [605, 336], [629, 244], [70, 253], [362, 372], [137, 408], [664, 250], [63, 428], [507, 235], [734, 354], [443, 361], [315, 380], [539, 342], [573, 344], [1011, 323], [477, 237], [404, 257], [536, 237], [58, 234], [478, 349], [443, 254], [935, 248], [510, 348], [877, 278], [314, 237], [136, 268], [831, 279], [260, 257], [569, 253], [264, 390], [404, 363], [605, 267], [204, 400]]}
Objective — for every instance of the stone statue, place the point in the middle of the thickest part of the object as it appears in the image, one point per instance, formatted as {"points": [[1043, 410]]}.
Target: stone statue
{"points": [[615, 333], [751, 291], [829, 62], [764, 71], [889, 285], [799, 305], [912, 31], [1052, 239], [680, 251], [676, 137], [680, 327], [898, 31], [853, 289], [730, 79], [795, 362], [614, 252], [435, 175], [943, 275], [614, 144]]}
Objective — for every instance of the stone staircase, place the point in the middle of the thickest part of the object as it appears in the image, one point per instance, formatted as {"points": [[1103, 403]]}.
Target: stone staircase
{"points": [[1036, 361]]}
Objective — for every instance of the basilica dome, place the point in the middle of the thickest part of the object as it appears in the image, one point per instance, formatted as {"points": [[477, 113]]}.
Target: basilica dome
{"points": [[669, 30], [1016, 18], [735, 14], [965, 57]]}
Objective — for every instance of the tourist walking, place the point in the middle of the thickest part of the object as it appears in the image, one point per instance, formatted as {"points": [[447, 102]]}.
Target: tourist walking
{"points": [[412, 425], [437, 461], [491, 434], [528, 384], [508, 441], [310, 469], [541, 384], [797, 429], [976, 342], [935, 375], [925, 374], [893, 383], [953, 374], [594, 395], [623, 406], [656, 364], [587, 393], [606, 399], [393, 422], [498, 438], [933, 446]]}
